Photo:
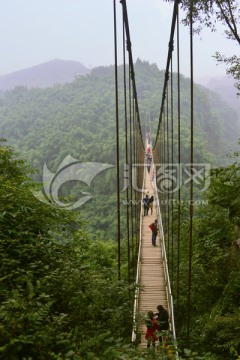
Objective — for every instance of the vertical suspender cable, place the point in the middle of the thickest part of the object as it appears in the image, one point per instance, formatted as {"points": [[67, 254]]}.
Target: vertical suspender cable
{"points": [[117, 138], [131, 162], [126, 152], [162, 154], [160, 144], [191, 181], [179, 179], [170, 50], [140, 181], [134, 175], [129, 48], [137, 182], [164, 163], [134, 108], [168, 181], [163, 135], [172, 169]]}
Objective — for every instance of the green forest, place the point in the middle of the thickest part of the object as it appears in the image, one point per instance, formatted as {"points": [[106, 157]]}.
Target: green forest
{"points": [[60, 297]]}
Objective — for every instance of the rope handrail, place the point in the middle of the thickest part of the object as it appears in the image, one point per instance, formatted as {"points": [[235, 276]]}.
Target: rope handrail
{"points": [[135, 307], [165, 261]]}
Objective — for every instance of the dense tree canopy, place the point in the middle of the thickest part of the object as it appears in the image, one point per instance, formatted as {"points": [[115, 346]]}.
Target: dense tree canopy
{"points": [[59, 295], [78, 119]]}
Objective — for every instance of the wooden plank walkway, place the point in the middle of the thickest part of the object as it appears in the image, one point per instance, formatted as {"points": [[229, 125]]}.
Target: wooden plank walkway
{"points": [[152, 279]]}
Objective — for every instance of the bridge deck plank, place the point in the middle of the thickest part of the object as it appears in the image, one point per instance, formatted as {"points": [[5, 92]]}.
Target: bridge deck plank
{"points": [[152, 280]]}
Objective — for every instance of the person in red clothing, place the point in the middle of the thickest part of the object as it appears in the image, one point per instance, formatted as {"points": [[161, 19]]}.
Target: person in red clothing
{"points": [[152, 329], [155, 229]]}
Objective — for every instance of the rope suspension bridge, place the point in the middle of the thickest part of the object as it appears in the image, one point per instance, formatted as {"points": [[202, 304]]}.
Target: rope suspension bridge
{"points": [[140, 272], [155, 268]]}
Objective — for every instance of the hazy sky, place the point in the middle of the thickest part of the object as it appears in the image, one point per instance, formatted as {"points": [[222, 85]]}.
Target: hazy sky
{"points": [[36, 31]]}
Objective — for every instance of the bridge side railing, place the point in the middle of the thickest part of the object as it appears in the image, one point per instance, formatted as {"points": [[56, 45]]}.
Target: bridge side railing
{"points": [[165, 263], [136, 298]]}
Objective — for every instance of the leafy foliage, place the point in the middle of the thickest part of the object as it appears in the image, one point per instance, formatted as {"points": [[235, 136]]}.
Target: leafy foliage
{"points": [[215, 289], [58, 298]]}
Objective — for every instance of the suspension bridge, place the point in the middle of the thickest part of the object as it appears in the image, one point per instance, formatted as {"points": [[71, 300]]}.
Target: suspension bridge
{"points": [[153, 286]]}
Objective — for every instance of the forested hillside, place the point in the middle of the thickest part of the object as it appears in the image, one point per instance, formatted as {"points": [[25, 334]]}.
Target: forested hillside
{"points": [[78, 119]]}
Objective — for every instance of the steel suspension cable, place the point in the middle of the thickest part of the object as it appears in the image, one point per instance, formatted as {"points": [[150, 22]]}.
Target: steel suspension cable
{"points": [[117, 138], [179, 180], [168, 180], [126, 153], [136, 179], [135, 129], [172, 257], [134, 175], [131, 162], [129, 49], [137, 182], [170, 50], [164, 162], [191, 181]]}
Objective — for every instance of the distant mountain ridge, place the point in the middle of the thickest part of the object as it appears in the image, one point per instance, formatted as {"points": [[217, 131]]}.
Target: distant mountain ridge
{"points": [[44, 75], [59, 71]]}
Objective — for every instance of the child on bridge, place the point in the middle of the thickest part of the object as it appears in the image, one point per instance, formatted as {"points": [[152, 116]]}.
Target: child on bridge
{"points": [[152, 329]]}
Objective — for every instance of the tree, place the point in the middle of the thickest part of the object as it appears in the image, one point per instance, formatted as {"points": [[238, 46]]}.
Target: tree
{"points": [[59, 292], [208, 14]]}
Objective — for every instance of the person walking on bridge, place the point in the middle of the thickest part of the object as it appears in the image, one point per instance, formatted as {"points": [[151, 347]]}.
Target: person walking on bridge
{"points": [[155, 230], [151, 200], [146, 205]]}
